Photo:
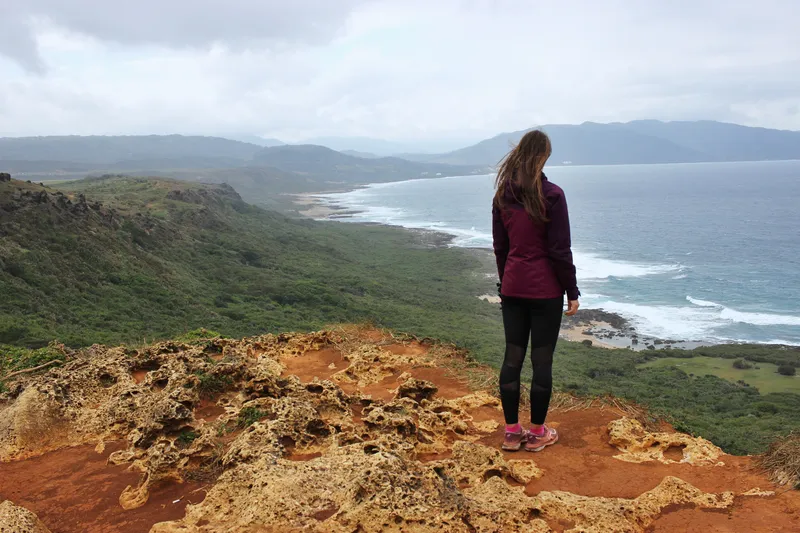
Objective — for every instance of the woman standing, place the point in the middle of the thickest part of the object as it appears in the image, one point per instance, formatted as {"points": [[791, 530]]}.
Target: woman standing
{"points": [[534, 261]]}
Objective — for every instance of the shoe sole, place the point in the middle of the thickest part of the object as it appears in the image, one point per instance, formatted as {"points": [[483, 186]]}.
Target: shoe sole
{"points": [[511, 449], [540, 448]]}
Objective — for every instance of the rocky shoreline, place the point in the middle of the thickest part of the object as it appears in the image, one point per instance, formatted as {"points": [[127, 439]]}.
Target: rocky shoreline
{"points": [[616, 331]]}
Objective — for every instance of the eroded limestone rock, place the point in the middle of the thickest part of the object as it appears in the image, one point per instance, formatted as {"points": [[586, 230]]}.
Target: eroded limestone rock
{"points": [[14, 519], [619, 515], [638, 445], [472, 464]]}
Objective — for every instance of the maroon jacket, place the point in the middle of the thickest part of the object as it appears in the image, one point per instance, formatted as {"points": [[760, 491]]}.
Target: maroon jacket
{"points": [[534, 259]]}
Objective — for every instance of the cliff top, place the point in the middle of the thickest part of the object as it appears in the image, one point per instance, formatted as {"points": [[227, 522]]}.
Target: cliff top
{"points": [[351, 429]]}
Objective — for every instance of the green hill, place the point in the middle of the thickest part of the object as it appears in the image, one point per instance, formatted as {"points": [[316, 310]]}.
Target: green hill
{"points": [[329, 165], [122, 259]]}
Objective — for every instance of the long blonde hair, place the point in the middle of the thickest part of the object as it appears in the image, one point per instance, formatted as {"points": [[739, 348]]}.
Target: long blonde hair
{"points": [[524, 165]]}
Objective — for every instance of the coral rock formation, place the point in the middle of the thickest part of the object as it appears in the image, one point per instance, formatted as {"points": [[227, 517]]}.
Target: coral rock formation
{"points": [[638, 445], [15, 519]]}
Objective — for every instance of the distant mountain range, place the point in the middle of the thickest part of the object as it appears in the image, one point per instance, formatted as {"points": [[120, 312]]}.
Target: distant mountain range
{"points": [[330, 165], [642, 141], [259, 173], [383, 147], [110, 150], [268, 166]]}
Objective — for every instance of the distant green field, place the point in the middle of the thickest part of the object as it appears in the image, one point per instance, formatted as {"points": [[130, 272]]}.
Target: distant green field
{"points": [[765, 378]]}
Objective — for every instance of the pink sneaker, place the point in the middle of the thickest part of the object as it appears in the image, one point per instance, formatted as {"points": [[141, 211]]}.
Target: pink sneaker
{"points": [[513, 441], [536, 444]]}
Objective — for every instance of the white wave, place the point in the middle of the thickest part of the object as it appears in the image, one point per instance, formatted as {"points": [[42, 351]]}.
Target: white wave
{"points": [[593, 267], [590, 266], [759, 319], [680, 276], [744, 317], [703, 303], [704, 320], [680, 323]]}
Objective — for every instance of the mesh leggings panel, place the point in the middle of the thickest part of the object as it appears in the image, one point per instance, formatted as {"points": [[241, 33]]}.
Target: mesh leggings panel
{"points": [[539, 320]]}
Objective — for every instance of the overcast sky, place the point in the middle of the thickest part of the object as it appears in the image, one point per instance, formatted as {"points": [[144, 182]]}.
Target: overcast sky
{"points": [[396, 69]]}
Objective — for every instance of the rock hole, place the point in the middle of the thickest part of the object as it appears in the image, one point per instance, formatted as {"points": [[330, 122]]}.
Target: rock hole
{"points": [[161, 384], [314, 388], [107, 381], [318, 428], [371, 449], [494, 472], [327, 512], [655, 444], [674, 453], [287, 443], [139, 373]]}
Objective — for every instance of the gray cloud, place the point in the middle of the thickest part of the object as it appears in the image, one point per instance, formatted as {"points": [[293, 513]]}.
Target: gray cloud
{"points": [[401, 69], [172, 23], [17, 40]]}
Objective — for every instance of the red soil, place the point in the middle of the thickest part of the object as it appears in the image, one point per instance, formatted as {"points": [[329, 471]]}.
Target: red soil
{"points": [[73, 490]]}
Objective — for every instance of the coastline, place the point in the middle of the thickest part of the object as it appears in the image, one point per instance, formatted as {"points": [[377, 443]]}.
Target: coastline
{"points": [[588, 326], [602, 328]]}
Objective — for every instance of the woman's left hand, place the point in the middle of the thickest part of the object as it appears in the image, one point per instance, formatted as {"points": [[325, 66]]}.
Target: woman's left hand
{"points": [[572, 307]]}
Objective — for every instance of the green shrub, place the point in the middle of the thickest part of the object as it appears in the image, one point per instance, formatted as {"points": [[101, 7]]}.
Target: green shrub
{"points": [[249, 416], [741, 364], [212, 384], [787, 370], [200, 334], [187, 437]]}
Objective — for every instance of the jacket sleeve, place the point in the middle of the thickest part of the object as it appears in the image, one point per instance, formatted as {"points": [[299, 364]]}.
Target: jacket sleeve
{"points": [[559, 243], [500, 241]]}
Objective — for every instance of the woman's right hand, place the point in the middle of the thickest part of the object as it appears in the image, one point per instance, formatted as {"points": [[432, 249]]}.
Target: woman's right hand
{"points": [[572, 307]]}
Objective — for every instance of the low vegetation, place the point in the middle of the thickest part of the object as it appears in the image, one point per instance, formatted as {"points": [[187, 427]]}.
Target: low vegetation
{"points": [[249, 416], [210, 385]]}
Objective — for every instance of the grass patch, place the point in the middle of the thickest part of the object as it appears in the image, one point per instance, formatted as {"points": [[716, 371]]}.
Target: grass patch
{"points": [[765, 378], [211, 384], [249, 416], [15, 358], [187, 437], [200, 334]]}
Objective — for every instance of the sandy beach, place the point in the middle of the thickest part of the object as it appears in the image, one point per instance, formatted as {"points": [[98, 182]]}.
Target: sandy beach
{"points": [[576, 334], [309, 205]]}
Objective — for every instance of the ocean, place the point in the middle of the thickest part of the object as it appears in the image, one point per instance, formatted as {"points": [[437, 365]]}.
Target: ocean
{"points": [[696, 252]]}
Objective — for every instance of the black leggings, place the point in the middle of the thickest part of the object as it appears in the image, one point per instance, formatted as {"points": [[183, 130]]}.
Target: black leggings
{"points": [[541, 320]]}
